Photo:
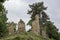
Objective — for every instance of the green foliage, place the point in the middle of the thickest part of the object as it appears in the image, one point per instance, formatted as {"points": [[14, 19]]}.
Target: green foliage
{"points": [[3, 20], [45, 17], [52, 30], [30, 23], [59, 36], [38, 8], [25, 36], [1, 7], [2, 0], [17, 38]]}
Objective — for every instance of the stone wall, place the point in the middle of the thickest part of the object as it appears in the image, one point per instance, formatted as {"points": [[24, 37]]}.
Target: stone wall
{"points": [[11, 28], [35, 25], [21, 26]]}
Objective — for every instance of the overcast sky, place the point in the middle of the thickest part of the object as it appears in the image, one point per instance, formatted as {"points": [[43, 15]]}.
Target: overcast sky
{"points": [[17, 9]]}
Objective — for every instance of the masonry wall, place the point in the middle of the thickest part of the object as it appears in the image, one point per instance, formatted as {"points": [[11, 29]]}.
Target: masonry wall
{"points": [[35, 25], [11, 28], [21, 26]]}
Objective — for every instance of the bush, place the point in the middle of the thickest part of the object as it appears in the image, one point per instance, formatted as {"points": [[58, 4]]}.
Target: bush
{"points": [[16, 38]]}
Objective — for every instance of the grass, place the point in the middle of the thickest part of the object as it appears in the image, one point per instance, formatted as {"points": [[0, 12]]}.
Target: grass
{"points": [[24, 36]]}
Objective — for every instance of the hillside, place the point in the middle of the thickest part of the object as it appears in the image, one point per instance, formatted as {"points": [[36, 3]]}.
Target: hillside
{"points": [[24, 36]]}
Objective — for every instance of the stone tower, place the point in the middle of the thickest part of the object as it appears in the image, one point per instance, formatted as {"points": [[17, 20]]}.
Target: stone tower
{"points": [[12, 28], [35, 25], [21, 26]]}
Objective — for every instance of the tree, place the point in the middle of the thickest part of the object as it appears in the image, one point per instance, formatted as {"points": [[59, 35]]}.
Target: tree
{"points": [[2, 1], [44, 20], [52, 31], [59, 36], [36, 8], [3, 20]]}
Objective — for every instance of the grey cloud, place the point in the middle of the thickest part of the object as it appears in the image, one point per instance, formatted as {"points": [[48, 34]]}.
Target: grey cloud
{"points": [[19, 10]]}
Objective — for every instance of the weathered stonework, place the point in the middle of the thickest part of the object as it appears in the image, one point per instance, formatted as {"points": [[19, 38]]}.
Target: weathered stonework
{"points": [[35, 25], [21, 26], [12, 28]]}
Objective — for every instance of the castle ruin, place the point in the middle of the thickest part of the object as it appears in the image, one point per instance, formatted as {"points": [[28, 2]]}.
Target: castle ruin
{"points": [[36, 28], [12, 28], [21, 26], [35, 25]]}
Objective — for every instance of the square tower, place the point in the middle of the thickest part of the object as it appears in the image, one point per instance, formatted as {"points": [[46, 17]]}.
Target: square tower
{"points": [[21, 26]]}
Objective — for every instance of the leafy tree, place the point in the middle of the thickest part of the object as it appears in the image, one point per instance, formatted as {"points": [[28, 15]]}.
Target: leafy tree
{"points": [[59, 36], [2, 1], [52, 31], [3, 20], [44, 21], [36, 8]]}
